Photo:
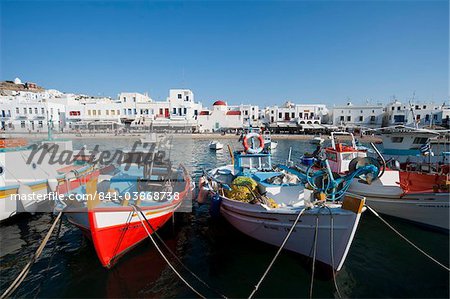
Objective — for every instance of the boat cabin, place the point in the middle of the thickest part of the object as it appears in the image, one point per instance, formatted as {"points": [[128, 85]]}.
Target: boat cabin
{"points": [[250, 163], [339, 154]]}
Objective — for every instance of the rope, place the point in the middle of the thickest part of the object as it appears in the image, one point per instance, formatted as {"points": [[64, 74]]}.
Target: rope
{"points": [[408, 241], [16, 283], [51, 258], [316, 231], [178, 259], [164, 257], [277, 254], [332, 252]]}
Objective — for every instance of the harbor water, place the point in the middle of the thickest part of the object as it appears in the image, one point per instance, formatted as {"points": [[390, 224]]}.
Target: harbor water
{"points": [[379, 263]]}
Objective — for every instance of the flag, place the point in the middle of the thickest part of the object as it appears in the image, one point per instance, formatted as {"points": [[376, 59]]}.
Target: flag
{"points": [[426, 149]]}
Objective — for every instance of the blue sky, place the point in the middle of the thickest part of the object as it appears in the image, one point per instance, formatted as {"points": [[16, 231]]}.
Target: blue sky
{"points": [[251, 52]]}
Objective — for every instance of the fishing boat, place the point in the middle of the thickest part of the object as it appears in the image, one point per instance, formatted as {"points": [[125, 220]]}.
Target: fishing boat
{"points": [[215, 145], [400, 190], [264, 202], [317, 140], [144, 181], [29, 177]]}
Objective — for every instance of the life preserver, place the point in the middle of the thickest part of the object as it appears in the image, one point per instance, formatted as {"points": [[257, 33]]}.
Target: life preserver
{"points": [[248, 147]]}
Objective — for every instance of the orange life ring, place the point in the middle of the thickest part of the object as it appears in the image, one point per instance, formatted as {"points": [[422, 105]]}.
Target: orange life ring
{"points": [[248, 148]]}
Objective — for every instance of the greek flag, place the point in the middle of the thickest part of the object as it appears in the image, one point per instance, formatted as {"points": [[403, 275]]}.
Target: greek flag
{"points": [[426, 149]]}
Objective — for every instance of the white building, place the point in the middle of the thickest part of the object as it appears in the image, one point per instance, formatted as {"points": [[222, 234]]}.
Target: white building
{"points": [[299, 113], [220, 117], [424, 114], [351, 116], [20, 114]]}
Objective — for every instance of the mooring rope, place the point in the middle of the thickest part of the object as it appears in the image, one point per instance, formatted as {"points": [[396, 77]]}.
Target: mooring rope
{"points": [[20, 278], [277, 254], [408, 241], [316, 232], [164, 257], [332, 253], [178, 259], [50, 260]]}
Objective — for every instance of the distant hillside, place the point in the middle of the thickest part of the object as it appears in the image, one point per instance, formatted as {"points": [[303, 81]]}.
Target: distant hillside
{"points": [[28, 86]]}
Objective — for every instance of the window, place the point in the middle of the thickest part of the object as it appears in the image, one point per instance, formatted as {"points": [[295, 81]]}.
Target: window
{"points": [[372, 118], [118, 112], [331, 156], [113, 112], [393, 108], [24, 110], [30, 110], [187, 98], [185, 111], [135, 111], [399, 118], [417, 107], [398, 108], [427, 117], [42, 110], [246, 112], [195, 112], [129, 111], [35, 110], [134, 99], [300, 115], [107, 112], [174, 111], [94, 112], [397, 139], [124, 111], [99, 112], [435, 116], [420, 140], [349, 118], [180, 96], [40, 124], [360, 118], [22, 124], [424, 106], [293, 114], [17, 110], [342, 118], [280, 115], [89, 112], [124, 99]]}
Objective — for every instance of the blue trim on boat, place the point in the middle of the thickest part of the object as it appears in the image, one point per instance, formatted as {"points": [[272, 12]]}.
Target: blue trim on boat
{"points": [[401, 152]]}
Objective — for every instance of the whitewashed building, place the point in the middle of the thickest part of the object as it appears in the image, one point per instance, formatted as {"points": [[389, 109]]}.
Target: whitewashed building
{"points": [[352, 116], [220, 117], [422, 114]]}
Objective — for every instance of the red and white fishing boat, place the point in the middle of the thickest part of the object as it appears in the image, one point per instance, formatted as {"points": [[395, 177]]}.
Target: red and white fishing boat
{"points": [[107, 216], [418, 196]]}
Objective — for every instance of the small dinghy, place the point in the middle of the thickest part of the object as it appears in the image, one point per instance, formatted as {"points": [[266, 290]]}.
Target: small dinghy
{"points": [[318, 140], [264, 203], [144, 182], [215, 145]]}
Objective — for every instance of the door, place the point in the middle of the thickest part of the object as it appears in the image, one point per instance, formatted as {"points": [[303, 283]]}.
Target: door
{"points": [[166, 113]]}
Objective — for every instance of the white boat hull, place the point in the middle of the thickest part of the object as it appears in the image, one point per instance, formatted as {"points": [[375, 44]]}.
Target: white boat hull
{"points": [[272, 227], [385, 196], [428, 209]]}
